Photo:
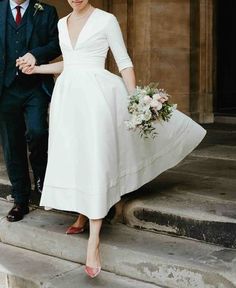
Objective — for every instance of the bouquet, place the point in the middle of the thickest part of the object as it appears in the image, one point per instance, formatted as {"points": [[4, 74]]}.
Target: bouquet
{"points": [[147, 105]]}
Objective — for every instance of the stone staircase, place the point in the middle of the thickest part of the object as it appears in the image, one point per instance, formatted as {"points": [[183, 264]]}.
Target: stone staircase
{"points": [[149, 258], [159, 245], [196, 199]]}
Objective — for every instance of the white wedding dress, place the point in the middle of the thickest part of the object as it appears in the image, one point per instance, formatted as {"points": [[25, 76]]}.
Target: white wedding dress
{"points": [[93, 159]]}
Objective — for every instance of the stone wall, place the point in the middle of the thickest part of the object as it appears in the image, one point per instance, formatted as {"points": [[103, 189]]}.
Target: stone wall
{"points": [[158, 37]]}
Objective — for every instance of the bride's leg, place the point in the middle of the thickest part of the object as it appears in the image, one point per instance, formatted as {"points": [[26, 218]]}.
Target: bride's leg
{"points": [[80, 221], [93, 256]]}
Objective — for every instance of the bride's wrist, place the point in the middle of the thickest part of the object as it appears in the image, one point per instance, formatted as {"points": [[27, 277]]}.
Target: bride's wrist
{"points": [[37, 69], [131, 90]]}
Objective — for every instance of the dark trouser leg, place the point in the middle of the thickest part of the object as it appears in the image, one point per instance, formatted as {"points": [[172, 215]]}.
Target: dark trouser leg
{"points": [[36, 112], [12, 130]]}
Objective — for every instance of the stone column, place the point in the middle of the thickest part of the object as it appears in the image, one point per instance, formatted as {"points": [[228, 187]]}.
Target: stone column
{"points": [[202, 69], [170, 48], [157, 34]]}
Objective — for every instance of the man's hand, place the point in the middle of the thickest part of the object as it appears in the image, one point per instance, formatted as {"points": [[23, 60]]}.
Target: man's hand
{"points": [[28, 60]]}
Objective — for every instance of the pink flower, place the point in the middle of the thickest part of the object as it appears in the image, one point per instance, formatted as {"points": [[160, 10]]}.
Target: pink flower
{"points": [[156, 104], [162, 100]]}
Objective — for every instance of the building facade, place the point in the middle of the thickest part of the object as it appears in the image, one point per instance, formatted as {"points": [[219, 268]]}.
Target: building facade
{"points": [[176, 43]]}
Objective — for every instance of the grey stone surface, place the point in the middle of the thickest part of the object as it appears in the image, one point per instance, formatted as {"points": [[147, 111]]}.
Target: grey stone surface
{"points": [[197, 199], [217, 168], [146, 256], [220, 135], [33, 267], [3, 280], [26, 269], [216, 152], [194, 196], [105, 280]]}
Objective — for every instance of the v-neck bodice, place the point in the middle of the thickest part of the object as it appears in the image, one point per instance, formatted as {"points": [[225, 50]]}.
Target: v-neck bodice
{"points": [[81, 30], [100, 31]]}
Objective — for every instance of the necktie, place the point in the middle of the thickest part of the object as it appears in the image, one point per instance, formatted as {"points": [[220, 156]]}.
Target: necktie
{"points": [[18, 15]]}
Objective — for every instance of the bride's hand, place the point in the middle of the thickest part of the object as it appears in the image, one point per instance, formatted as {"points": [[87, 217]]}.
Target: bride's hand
{"points": [[29, 70], [26, 68]]}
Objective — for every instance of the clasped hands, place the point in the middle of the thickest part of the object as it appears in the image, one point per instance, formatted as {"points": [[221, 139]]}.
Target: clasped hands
{"points": [[26, 63]]}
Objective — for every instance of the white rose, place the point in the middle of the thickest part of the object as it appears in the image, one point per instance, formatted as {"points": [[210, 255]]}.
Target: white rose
{"points": [[159, 106], [156, 97], [147, 115], [130, 124], [138, 119], [156, 104], [145, 109]]}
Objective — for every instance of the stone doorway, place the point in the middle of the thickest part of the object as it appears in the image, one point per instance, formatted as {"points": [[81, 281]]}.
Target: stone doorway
{"points": [[225, 95]]}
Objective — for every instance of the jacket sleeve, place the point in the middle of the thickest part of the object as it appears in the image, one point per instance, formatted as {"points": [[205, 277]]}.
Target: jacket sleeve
{"points": [[117, 45], [51, 50]]}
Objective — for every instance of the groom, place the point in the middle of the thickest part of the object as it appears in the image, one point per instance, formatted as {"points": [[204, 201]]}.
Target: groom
{"points": [[28, 29]]}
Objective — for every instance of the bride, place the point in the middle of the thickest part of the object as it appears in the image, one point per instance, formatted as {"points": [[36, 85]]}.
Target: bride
{"points": [[92, 158]]}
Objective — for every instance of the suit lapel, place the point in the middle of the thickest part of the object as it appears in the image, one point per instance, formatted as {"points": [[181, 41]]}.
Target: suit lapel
{"points": [[30, 20], [3, 17]]}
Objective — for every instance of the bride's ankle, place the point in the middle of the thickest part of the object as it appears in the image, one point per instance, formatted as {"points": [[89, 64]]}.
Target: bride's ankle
{"points": [[93, 257], [81, 221]]}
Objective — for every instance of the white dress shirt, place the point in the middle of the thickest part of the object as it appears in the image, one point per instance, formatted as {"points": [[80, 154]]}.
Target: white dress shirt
{"points": [[24, 6]]}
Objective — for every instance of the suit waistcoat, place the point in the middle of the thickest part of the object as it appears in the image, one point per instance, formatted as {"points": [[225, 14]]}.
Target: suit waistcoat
{"points": [[15, 46]]}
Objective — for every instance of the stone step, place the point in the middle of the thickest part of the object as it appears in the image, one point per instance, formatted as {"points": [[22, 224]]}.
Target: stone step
{"points": [[222, 152], [218, 168], [159, 259], [20, 268], [219, 134], [197, 199]]}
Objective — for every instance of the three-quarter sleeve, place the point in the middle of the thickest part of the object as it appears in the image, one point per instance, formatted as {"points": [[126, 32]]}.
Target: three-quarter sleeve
{"points": [[117, 44]]}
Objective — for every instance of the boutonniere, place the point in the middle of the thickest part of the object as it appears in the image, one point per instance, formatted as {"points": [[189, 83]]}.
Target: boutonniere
{"points": [[38, 7]]}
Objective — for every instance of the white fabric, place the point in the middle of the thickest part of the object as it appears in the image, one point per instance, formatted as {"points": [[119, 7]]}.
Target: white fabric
{"points": [[93, 158], [24, 6]]}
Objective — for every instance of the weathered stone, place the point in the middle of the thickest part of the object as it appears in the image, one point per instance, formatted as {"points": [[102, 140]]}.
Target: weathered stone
{"points": [[196, 199], [146, 256], [25, 269]]}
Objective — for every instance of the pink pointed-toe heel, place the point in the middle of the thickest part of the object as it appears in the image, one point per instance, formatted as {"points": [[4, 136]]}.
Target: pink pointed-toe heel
{"points": [[92, 272], [75, 230]]}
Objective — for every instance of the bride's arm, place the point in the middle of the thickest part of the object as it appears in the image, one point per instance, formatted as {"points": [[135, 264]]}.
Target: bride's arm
{"points": [[123, 61], [53, 68], [129, 79]]}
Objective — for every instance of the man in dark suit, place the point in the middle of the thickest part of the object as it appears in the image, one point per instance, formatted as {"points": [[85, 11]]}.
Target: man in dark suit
{"points": [[28, 29]]}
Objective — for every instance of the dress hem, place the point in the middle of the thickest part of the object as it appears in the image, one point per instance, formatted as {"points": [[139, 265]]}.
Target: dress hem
{"points": [[130, 182]]}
